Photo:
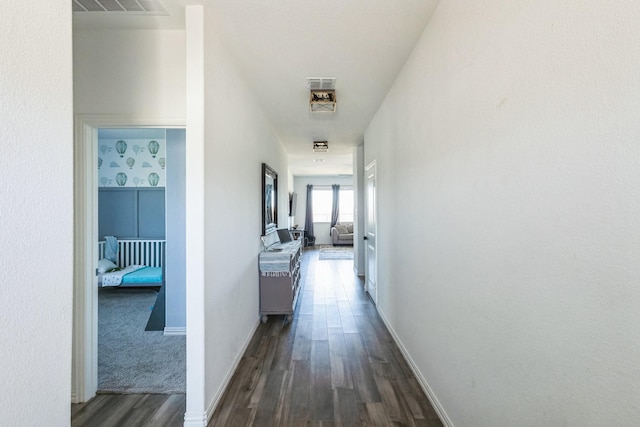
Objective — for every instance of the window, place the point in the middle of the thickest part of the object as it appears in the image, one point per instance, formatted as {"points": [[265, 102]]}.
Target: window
{"points": [[345, 213], [322, 204]]}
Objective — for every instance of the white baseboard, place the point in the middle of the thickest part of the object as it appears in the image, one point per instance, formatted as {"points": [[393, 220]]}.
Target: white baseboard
{"points": [[175, 330], [227, 378], [195, 420], [421, 380]]}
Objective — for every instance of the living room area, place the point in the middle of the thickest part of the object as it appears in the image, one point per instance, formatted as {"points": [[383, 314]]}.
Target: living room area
{"points": [[332, 215]]}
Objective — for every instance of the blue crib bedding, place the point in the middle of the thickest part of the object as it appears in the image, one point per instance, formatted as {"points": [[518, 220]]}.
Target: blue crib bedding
{"points": [[143, 275]]}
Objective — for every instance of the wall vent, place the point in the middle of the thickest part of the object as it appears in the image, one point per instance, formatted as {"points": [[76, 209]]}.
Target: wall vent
{"points": [[147, 7]]}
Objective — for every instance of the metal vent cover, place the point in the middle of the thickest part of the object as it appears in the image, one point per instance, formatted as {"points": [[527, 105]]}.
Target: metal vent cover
{"points": [[150, 7], [323, 83]]}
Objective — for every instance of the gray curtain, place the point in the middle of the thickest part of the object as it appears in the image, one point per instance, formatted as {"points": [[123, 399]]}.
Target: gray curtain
{"points": [[335, 207], [309, 235]]}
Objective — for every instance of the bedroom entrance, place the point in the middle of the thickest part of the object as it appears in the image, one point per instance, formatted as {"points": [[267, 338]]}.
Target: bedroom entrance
{"points": [[141, 297], [88, 149]]}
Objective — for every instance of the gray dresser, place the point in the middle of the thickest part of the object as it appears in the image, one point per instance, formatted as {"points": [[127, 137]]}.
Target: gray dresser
{"points": [[279, 279]]}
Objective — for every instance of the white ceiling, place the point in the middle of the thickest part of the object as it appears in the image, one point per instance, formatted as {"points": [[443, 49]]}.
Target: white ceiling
{"points": [[277, 44]]}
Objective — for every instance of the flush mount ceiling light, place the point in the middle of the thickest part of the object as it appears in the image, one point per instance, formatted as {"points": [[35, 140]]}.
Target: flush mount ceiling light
{"points": [[322, 101], [320, 146], [322, 96]]}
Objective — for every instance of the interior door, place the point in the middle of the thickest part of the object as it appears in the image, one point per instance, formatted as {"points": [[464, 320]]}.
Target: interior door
{"points": [[371, 261]]}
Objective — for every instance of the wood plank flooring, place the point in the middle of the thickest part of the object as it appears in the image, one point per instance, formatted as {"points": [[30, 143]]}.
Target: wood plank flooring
{"points": [[334, 365], [139, 410]]}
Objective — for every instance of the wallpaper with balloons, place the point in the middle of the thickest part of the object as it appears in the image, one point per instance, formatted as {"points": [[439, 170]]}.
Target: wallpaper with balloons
{"points": [[131, 162]]}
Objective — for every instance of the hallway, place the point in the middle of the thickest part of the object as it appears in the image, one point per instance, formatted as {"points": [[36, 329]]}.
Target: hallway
{"points": [[334, 365]]}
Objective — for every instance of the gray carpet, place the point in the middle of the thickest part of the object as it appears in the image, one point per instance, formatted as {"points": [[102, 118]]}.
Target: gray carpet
{"points": [[131, 360], [335, 252]]}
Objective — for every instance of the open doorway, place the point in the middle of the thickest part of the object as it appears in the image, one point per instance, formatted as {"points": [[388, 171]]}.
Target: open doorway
{"points": [[141, 186], [85, 325]]}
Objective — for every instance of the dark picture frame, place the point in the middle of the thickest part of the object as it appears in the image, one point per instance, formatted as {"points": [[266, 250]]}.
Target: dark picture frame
{"points": [[269, 199]]}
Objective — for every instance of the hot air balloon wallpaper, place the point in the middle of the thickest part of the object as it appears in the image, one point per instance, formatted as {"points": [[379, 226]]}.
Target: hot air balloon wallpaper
{"points": [[131, 162], [153, 179], [153, 148], [121, 179], [121, 147]]}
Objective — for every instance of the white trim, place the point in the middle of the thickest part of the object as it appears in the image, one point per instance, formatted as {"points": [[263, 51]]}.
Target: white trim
{"points": [[195, 218], [227, 378], [414, 368], [175, 330], [85, 293], [195, 420]]}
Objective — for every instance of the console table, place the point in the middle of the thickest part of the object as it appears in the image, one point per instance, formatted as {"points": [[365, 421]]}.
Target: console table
{"points": [[279, 279]]}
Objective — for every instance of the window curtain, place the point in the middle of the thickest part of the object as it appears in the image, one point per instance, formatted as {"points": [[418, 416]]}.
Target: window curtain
{"points": [[310, 237], [335, 207]]}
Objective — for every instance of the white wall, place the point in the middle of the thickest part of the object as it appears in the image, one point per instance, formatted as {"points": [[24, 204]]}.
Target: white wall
{"points": [[515, 131], [176, 262], [322, 230], [138, 72], [358, 224], [238, 139], [36, 213]]}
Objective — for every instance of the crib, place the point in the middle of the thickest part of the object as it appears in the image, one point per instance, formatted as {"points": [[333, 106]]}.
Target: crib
{"points": [[147, 252]]}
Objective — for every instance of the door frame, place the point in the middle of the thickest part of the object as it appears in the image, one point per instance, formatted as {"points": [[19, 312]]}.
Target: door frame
{"points": [[368, 167], [84, 377]]}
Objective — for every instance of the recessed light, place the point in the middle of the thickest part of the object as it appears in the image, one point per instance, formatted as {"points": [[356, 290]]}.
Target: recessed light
{"points": [[318, 160]]}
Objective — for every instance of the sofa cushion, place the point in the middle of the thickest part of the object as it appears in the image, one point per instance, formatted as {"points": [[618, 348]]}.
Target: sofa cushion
{"points": [[349, 228], [345, 236], [341, 228]]}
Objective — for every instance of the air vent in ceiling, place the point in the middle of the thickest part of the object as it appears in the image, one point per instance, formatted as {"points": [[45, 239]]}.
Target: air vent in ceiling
{"points": [[322, 83], [150, 7]]}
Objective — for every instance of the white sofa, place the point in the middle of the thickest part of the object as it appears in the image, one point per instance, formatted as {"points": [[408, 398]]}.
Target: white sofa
{"points": [[342, 234]]}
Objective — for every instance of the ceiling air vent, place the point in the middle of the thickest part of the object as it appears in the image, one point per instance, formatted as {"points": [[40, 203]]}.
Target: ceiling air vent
{"points": [[149, 7], [323, 83]]}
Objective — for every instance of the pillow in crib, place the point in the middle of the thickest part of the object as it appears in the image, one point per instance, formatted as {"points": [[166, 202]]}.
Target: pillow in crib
{"points": [[106, 265]]}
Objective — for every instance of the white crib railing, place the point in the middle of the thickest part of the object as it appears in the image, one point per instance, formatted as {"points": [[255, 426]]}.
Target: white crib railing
{"points": [[137, 252]]}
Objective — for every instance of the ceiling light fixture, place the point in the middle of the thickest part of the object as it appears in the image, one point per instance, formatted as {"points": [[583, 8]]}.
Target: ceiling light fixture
{"points": [[322, 101], [320, 146]]}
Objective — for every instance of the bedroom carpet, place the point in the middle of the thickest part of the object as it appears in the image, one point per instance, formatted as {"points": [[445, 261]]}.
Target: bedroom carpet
{"points": [[156, 319], [130, 359], [335, 252]]}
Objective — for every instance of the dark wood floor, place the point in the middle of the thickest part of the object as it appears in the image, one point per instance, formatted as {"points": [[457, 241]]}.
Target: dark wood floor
{"points": [[334, 365], [120, 410]]}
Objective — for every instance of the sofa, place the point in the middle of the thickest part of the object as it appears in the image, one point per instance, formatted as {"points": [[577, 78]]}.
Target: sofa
{"points": [[342, 234]]}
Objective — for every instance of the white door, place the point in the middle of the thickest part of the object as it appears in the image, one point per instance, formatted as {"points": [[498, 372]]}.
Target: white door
{"points": [[371, 261]]}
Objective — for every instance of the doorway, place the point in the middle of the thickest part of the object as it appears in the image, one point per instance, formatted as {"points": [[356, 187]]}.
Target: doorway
{"points": [[141, 187], [85, 324]]}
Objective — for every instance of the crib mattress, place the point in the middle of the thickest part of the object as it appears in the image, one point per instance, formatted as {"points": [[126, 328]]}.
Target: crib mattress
{"points": [[146, 276], [143, 275]]}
